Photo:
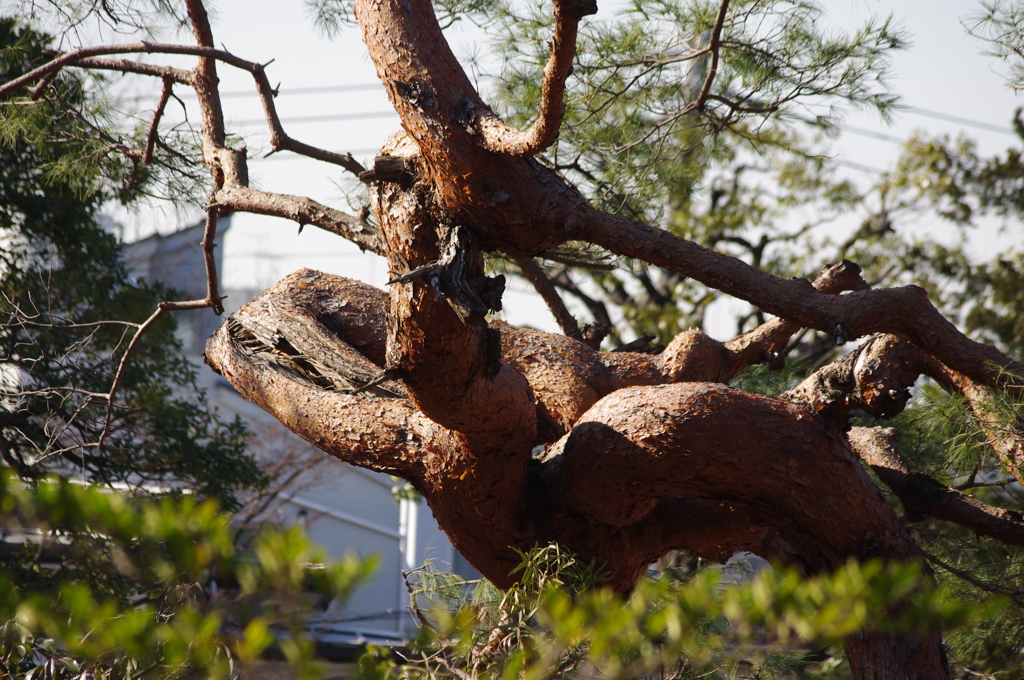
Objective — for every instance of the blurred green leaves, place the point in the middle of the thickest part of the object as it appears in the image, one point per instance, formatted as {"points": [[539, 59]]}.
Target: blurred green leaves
{"points": [[559, 619], [173, 620]]}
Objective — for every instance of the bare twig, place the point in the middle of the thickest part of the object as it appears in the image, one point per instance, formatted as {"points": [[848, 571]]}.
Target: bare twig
{"points": [[597, 308], [714, 46], [165, 95], [162, 309], [236, 196], [213, 298], [279, 140]]}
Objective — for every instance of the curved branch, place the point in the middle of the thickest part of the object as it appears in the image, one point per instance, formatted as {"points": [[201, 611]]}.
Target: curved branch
{"points": [[714, 47], [847, 317], [498, 136], [546, 289], [922, 496], [639, 445], [286, 380]]}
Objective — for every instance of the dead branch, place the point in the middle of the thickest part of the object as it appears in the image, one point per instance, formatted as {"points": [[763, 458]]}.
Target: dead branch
{"points": [[162, 309], [213, 298], [290, 382], [279, 140], [145, 156], [237, 196], [83, 54], [179, 76]]}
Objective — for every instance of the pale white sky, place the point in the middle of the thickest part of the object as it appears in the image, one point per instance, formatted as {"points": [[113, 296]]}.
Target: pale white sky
{"points": [[944, 72]]}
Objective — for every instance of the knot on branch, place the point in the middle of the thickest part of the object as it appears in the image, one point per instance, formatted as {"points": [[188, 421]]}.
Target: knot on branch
{"points": [[418, 93], [875, 379], [471, 296], [577, 9], [388, 169]]}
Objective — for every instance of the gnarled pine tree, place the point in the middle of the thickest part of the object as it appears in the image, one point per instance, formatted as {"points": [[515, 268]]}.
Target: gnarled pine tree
{"points": [[642, 454]]}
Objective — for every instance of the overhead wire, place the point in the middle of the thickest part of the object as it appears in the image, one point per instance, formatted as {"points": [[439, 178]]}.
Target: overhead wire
{"points": [[367, 87]]}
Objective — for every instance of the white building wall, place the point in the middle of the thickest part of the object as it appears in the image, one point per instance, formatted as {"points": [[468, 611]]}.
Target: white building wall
{"points": [[344, 508]]}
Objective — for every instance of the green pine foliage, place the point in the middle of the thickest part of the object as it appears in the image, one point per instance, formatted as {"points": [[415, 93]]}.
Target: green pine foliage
{"points": [[558, 621], [67, 314], [115, 580]]}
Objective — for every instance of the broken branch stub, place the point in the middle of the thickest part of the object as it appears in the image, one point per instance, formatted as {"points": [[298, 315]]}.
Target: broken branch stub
{"points": [[471, 296]]}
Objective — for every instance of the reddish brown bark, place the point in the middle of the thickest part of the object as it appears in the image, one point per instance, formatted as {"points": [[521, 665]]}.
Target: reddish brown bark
{"points": [[641, 454], [645, 470]]}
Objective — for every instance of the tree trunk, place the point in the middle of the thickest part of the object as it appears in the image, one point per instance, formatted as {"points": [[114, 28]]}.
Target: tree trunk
{"points": [[641, 454]]}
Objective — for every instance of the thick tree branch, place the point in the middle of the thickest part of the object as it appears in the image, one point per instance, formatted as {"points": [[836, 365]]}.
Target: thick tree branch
{"points": [[498, 136], [847, 317], [767, 343], [1001, 426], [639, 445], [517, 205], [450, 363], [922, 496], [387, 435]]}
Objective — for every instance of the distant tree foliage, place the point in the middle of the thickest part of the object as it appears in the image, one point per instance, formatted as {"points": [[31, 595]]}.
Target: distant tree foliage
{"points": [[69, 310]]}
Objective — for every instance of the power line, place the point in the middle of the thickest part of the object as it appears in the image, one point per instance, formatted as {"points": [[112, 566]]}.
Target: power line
{"points": [[871, 133], [327, 89], [938, 115], [366, 87], [327, 118]]}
